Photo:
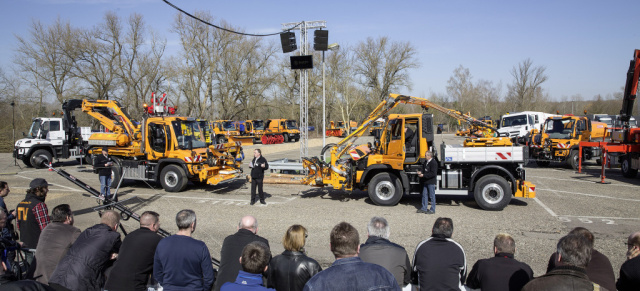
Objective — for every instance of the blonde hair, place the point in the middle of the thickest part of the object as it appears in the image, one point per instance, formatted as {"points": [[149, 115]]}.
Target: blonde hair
{"points": [[295, 237]]}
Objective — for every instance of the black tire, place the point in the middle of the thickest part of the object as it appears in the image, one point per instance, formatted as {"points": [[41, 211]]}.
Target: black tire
{"points": [[543, 163], [40, 153], [573, 159], [116, 175], [492, 192], [286, 137], [221, 139], [385, 189], [625, 166], [27, 162], [173, 178]]}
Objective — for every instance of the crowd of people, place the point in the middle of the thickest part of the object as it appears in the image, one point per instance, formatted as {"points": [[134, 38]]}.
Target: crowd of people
{"points": [[67, 258]]}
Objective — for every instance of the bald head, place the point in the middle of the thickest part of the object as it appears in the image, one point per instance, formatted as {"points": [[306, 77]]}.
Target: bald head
{"points": [[249, 222], [150, 220], [110, 218]]}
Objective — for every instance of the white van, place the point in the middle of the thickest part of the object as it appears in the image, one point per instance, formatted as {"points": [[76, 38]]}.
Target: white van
{"points": [[518, 124]]}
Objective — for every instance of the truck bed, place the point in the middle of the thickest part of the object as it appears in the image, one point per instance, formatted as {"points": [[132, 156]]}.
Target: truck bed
{"points": [[459, 153]]}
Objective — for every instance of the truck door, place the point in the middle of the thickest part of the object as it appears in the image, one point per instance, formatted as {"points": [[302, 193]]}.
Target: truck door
{"points": [[156, 144], [582, 132], [395, 152], [55, 130]]}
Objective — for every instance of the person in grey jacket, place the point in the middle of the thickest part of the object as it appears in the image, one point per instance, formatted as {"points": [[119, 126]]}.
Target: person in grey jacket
{"points": [[59, 235], [380, 251]]}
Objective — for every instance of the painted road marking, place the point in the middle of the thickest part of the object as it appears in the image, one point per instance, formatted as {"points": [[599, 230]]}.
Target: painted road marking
{"points": [[545, 207], [591, 195], [582, 218], [581, 181]]}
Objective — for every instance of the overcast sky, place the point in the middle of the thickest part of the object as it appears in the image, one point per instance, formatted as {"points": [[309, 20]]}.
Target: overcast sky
{"points": [[585, 45]]}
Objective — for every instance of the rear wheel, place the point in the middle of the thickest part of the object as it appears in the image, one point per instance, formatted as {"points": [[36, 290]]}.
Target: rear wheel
{"points": [[627, 171], [173, 178], [385, 189], [116, 175], [492, 192], [45, 154]]}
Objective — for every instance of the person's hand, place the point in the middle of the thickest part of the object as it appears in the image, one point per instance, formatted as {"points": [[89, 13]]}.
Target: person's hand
{"points": [[262, 165], [12, 212], [633, 252], [21, 243], [114, 256]]}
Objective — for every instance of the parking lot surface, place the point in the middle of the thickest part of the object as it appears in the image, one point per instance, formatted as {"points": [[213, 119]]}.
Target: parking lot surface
{"points": [[565, 199]]}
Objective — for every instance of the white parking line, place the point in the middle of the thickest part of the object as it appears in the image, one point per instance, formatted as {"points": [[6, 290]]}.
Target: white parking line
{"points": [[602, 217], [580, 181], [591, 195], [66, 187], [545, 207], [215, 199]]}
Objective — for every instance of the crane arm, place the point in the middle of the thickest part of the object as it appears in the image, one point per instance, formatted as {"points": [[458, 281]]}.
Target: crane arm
{"points": [[110, 115], [630, 88]]}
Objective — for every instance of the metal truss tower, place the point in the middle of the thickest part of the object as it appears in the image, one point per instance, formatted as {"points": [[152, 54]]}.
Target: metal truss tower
{"points": [[304, 80]]}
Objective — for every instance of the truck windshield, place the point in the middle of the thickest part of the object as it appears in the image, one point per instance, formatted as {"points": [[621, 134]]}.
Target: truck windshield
{"points": [[559, 128], [188, 131], [514, 120], [258, 125], [292, 124], [35, 128], [228, 125]]}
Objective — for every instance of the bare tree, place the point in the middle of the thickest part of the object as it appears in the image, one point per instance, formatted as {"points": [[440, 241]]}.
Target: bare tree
{"points": [[383, 66], [461, 89], [525, 91], [42, 55]]}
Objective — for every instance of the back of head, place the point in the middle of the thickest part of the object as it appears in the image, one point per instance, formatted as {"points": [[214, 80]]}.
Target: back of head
{"points": [[504, 243], [583, 232], [248, 222], [148, 218], [575, 250], [378, 226], [61, 212], [185, 218], [255, 257], [634, 240], [294, 239], [443, 227], [344, 240], [110, 218]]}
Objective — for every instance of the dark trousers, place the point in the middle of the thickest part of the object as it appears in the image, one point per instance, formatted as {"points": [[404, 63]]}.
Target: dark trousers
{"points": [[256, 183]]}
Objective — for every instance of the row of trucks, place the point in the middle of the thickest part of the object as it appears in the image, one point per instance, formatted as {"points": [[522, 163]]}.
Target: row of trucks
{"points": [[488, 169], [247, 132], [339, 128], [163, 147]]}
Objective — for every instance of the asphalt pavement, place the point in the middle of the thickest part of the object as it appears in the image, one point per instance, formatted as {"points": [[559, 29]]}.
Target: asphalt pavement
{"points": [[565, 199]]}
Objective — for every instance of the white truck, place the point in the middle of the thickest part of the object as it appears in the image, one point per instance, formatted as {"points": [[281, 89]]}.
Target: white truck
{"points": [[519, 124], [53, 138]]}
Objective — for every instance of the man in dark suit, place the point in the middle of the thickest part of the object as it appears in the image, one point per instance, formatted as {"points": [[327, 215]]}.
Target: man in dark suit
{"points": [[258, 165], [134, 265], [232, 250], [429, 175]]}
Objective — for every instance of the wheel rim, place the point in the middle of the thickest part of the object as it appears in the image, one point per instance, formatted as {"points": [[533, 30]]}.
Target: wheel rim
{"points": [[492, 193], [171, 179], [385, 190], [625, 166], [575, 160]]}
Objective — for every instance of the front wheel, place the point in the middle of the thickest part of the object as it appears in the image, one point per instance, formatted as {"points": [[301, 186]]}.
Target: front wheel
{"points": [[173, 178], [286, 137], [574, 159], [221, 139], [492, 192], [385, 189], [627, 171]]}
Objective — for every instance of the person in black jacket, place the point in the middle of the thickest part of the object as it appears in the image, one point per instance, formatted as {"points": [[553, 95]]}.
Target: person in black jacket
{"points": [[502, 272], [429, 175], [134, 265], [258, 165], [82, 268], [231, 250], [292, 269], [630, 269], [103, 165]]}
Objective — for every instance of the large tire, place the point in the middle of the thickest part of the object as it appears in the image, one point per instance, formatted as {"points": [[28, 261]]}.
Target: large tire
{"points": [[27, 161], [574, 159], [385, 189], [286, 137], [625, 166], [221, 139], [40, 153], [116, 174], [492, 192], [173, 178]]}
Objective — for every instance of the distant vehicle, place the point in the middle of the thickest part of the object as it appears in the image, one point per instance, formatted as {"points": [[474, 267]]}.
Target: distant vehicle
{"points": [[519, 124]]}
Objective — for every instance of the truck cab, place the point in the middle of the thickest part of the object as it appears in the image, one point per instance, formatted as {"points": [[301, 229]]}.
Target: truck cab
{"points": [[519, 124]]}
